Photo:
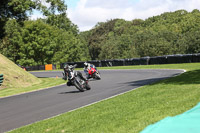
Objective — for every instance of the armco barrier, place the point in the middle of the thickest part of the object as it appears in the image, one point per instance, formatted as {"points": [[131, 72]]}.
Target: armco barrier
{"points": [[167, 59], [128, 62], [187, 58], [144, 61], [196, 57], [107, 63], [33, 68], [119, 62], [79, 64], [97, 63], [173, 59], [158, 60], [136, 61], [1, 79]]}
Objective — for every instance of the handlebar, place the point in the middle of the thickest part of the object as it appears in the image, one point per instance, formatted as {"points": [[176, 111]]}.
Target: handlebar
{"points": [[75, 65]]}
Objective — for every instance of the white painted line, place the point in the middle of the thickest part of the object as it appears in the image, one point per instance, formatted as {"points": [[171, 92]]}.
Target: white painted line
{"points": [[102, 99]]}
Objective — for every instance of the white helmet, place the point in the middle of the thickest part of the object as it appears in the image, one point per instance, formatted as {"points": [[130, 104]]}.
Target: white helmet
{"points": [[86, 64]]}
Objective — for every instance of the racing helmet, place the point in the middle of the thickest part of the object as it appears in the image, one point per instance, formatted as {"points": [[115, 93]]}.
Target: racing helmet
{"points": [[66, 66], [85, 64]]}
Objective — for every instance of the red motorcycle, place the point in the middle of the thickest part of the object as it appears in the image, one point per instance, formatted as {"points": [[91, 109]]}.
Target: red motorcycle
{"points": [[94, 73]]}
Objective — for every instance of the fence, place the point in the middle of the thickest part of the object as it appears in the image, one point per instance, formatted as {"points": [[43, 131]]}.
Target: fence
{"points": [[167, 59], [1, 79]]}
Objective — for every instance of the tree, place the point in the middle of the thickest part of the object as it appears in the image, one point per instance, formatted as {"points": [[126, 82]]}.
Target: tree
{"points": [[19, 9], [62, 22], [11, 44], [109, 49], [84, 38], [169, 33], [39, 43], [14, 9], [193, 42], [69, 49]]}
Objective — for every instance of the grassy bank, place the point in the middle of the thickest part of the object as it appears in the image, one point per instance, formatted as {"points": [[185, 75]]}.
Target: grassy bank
{"points": [[133, 111], [17, 81], [45, 83], [14, 76]]}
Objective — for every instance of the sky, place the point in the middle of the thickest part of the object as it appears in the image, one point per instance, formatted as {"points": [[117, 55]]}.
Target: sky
{"points": [[87, 13]]}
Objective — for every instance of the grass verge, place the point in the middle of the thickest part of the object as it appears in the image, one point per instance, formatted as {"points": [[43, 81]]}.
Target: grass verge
{"points": [[133, 111], [45, 83]]}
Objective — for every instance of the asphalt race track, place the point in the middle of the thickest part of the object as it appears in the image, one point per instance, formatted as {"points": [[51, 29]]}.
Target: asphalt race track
{"points": [[20, 110]]}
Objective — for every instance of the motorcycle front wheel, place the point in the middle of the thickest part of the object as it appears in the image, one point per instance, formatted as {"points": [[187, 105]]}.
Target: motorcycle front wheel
{"points": [[97, 76], [78, 86], [87, 87]]}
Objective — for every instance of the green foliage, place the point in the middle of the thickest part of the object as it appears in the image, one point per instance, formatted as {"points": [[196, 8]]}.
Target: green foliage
{"points": [[68, 49], [19, 9], [14, 76], [132, 111], [62, 22], [13, 9], [169, 33], [57, 40], [12, 42], [193, 41], [38, 43], [44, 41]]}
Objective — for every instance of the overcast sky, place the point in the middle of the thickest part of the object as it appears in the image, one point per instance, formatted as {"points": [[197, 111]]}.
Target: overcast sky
{"points": [[87, 13]]}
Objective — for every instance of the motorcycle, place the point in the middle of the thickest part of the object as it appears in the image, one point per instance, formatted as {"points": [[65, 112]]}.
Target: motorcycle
{"points": [[74, 78], [94, 73]]}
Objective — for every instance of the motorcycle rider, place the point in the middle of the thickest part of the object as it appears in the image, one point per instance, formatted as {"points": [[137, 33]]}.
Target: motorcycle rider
{"points": [[67, 69], [88, 66]]}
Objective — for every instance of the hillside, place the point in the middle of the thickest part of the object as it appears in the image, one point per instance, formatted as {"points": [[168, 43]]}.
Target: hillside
{"points": [[14, 76], [166, 34]]}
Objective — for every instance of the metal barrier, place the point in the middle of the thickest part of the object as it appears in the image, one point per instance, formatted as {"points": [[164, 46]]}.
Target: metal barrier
{"points": [[166, 59], [1, 79]]}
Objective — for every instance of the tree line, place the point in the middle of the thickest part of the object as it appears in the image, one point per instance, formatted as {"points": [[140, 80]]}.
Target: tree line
{"points": [[55, 39], [166, 34]]}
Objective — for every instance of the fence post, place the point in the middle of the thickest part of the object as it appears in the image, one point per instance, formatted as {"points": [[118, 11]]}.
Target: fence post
{"points": [[1, 79]]}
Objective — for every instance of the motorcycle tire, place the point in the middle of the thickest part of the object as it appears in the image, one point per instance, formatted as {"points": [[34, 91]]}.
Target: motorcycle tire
{"points": [[87, 87], [78, 86], [97, 76]]}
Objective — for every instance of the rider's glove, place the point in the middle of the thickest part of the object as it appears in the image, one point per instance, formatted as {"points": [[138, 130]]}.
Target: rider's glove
{"points": [[65, 78]]}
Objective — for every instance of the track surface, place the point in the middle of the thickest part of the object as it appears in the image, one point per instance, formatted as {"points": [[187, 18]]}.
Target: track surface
{"points": [[24, 109]]}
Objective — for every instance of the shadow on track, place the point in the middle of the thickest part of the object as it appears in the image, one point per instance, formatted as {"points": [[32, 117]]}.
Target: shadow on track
{"points": [[144, 82], [69, 92], [190, 77]]}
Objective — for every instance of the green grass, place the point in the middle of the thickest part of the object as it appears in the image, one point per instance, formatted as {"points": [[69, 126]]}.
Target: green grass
{"points": [[132, 111], [17, 81], [186, 66], [45, 83]]}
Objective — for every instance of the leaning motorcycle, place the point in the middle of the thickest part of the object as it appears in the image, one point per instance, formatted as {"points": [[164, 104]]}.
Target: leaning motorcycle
{"points": [[94, 73], [77, 81]]}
